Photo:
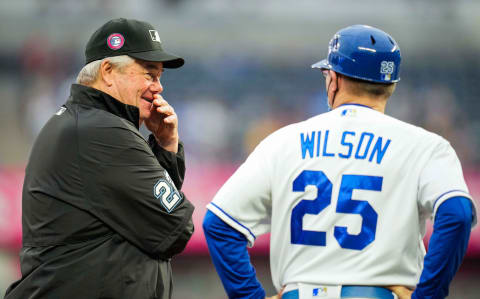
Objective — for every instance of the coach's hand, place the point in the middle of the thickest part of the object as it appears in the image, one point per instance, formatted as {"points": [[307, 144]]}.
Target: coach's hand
{"points": [[401, 291], [163, 123]]}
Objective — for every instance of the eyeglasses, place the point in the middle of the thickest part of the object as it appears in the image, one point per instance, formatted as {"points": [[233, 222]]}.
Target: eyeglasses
{"points": [[325, 73]]}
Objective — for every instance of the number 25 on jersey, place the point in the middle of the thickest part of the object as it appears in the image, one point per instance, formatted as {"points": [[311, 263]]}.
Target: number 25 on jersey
{"points": [[345, 204]]}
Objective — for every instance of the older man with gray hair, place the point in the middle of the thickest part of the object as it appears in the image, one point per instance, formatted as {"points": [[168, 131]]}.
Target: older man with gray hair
{"points": [[103, 213]]}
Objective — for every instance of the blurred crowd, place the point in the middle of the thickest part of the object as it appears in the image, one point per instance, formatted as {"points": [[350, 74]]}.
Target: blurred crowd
{"points": [[228, 97], [226, 106]]}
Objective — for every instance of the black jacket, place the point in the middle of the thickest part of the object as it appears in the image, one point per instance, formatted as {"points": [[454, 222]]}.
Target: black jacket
{"points": [[102, 214]]}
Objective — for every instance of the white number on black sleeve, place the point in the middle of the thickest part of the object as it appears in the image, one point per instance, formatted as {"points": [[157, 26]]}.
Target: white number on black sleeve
{"points": [[168, 194]]}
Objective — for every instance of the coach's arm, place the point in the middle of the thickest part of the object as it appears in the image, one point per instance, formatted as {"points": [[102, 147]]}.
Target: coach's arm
{"points": [[447, 247], [228, 249]]}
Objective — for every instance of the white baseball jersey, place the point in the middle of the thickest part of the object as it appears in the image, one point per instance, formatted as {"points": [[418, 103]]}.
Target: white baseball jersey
{"points": [[345, 196]]}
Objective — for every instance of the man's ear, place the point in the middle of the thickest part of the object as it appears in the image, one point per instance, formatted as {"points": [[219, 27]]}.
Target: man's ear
{"points": [[106, 70], [334, 81], [332, 87]]}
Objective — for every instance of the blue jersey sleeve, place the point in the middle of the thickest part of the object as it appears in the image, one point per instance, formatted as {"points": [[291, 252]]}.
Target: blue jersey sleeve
{"points": [[228, 249], [447, 247]]}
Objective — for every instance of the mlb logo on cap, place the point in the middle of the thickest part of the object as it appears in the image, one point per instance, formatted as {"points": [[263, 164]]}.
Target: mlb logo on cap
{"points": [[115, 41], [154, 35]]}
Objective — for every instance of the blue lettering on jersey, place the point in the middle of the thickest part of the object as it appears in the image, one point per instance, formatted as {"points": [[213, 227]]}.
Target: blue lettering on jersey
{"points": [[325, 142], [377, 149], [307, 144], [363, 146], [345, 143], [319, 134], [360, 143]]}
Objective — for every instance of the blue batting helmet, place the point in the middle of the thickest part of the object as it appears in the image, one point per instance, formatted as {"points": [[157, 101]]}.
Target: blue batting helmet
{"points": [[363, 52]]}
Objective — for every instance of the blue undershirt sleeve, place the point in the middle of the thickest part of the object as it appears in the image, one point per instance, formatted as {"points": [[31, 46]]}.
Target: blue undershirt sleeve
{"points": [[447, 247], [228, 249]]}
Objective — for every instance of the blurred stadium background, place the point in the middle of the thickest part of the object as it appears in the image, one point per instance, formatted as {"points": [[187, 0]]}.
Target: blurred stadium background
{"points": [[247, 73]]}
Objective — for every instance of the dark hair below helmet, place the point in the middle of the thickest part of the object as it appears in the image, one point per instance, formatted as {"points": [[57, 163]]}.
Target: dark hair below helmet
{"points": [[363, 52]]}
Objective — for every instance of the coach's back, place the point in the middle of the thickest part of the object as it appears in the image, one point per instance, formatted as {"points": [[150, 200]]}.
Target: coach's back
{"points": [[345, 194], [357, 186], [348, 191]]}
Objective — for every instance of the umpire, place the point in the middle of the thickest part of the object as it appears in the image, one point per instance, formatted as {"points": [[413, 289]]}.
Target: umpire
{"points": [[102, 210]]}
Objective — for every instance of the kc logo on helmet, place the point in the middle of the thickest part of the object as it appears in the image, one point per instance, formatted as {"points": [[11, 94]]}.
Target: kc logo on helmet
{"points": [[334, 44], [115, 41]]}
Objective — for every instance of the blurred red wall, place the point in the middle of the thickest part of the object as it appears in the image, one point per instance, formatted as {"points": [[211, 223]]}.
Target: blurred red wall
{"points": [[201, 184]]}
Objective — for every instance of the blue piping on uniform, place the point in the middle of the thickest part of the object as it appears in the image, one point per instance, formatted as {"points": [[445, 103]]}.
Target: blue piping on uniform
{"points": [[355, 104], [435, 202], [226, 214]]}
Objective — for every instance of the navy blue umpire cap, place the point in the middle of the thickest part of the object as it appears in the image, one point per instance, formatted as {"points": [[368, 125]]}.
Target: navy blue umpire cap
{"points": [[130, 37], [363, 52]]}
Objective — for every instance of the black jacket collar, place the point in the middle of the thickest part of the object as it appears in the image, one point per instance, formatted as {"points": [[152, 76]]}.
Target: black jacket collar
{"points": [[84, 95]]}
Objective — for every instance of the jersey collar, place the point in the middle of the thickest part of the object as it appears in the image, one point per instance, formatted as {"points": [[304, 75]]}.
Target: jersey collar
{"points": [[355, 104], [85, 95]]}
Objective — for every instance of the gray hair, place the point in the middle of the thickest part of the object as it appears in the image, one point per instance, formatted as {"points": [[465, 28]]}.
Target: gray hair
{"points": [[89, 73]]}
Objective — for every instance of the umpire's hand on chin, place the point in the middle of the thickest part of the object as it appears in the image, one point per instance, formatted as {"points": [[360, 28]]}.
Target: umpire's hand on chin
{"points": [[163, 123], [401, 291]]}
